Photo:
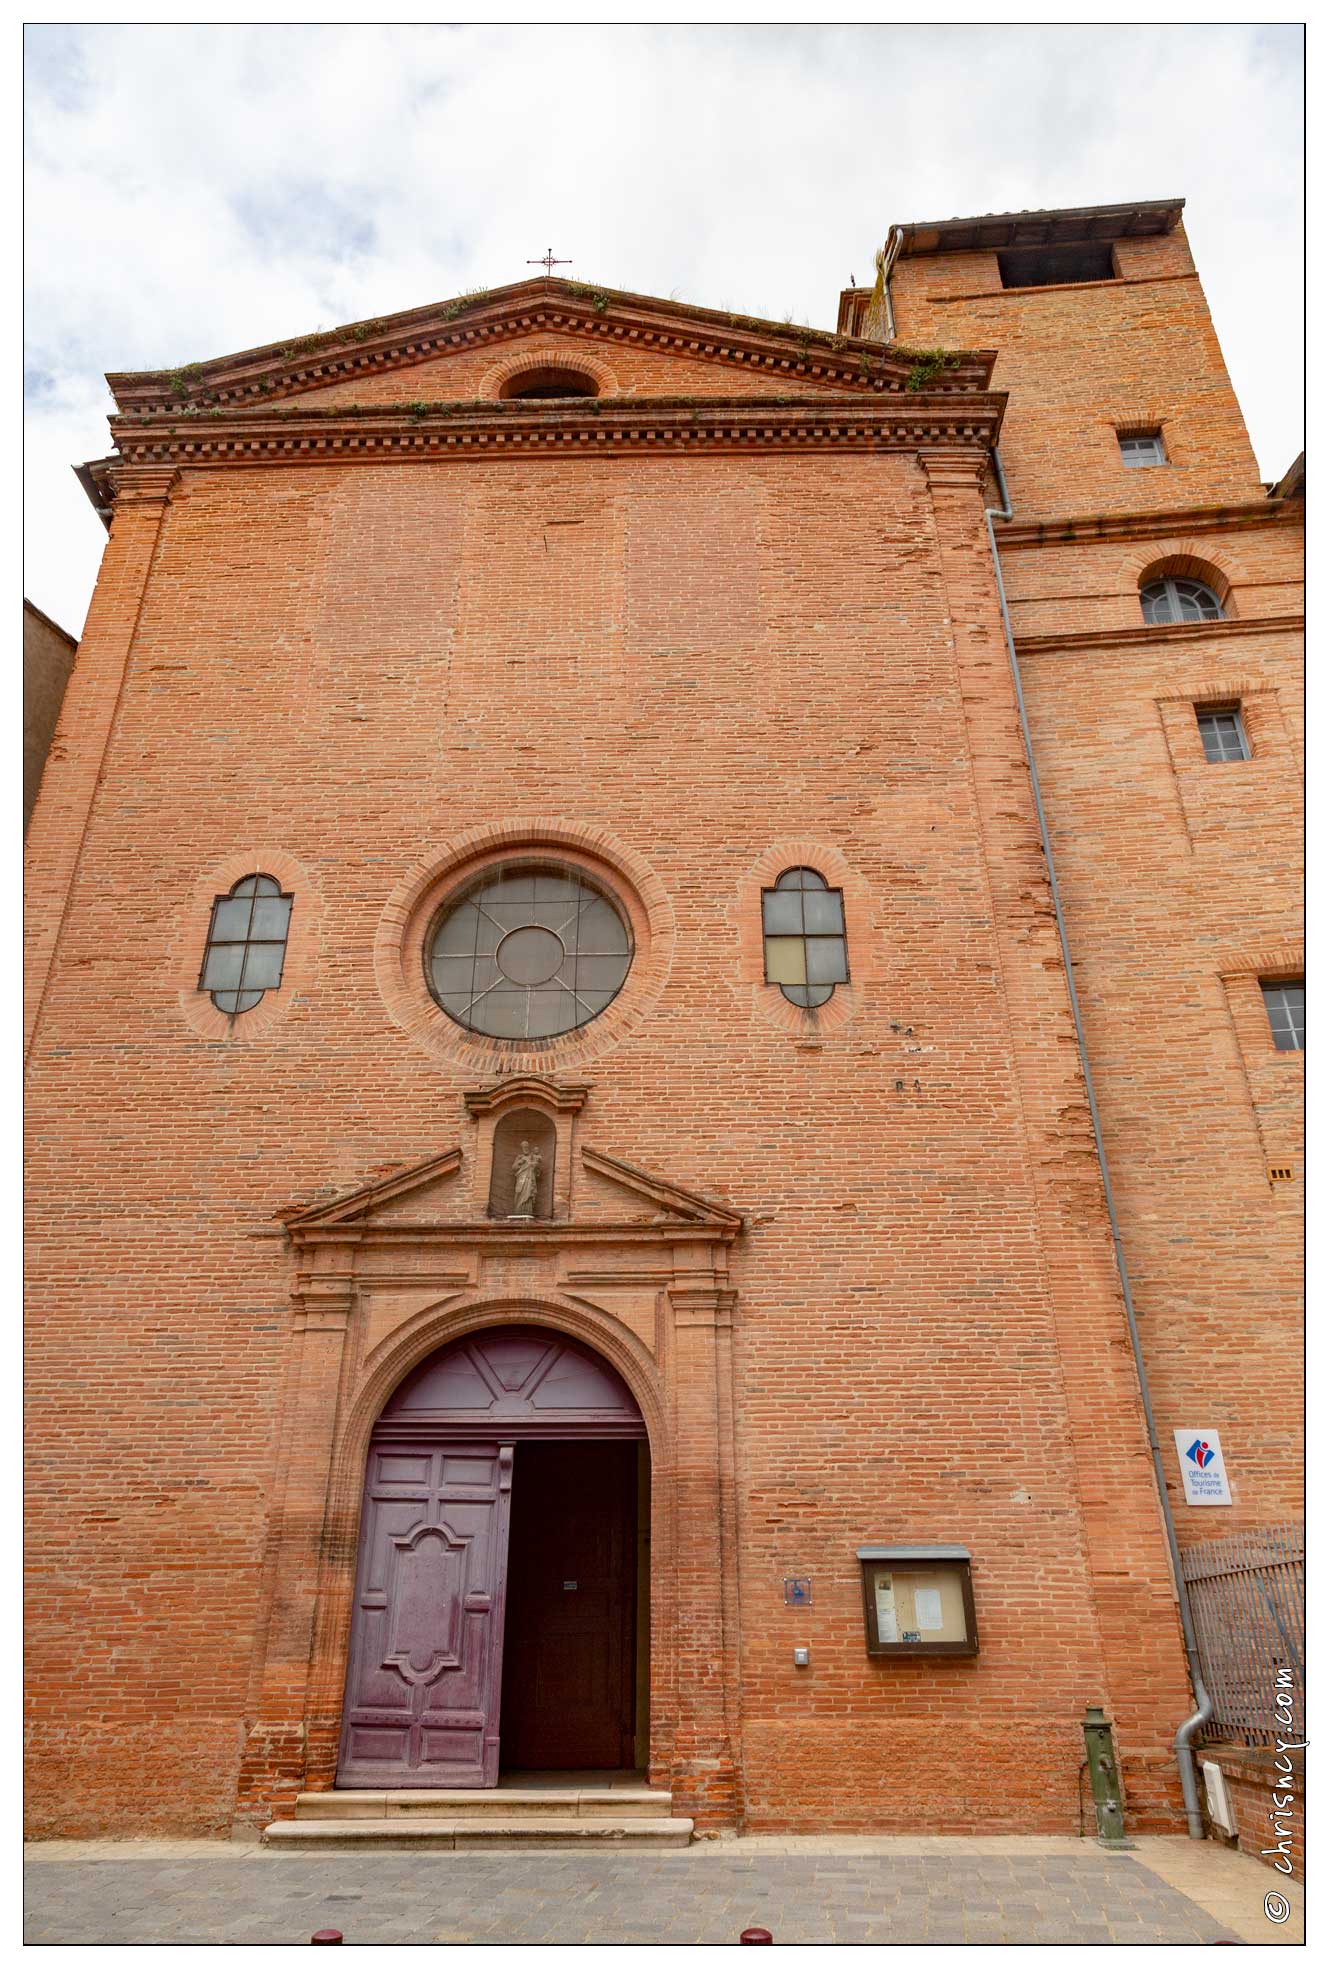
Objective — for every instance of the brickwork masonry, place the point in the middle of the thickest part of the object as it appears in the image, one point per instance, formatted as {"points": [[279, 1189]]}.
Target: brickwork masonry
{"points": [[350, 667]]}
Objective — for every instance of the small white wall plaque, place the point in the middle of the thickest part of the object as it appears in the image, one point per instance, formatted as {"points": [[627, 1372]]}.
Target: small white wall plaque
{"points": [[1216, 1797], [1203, 1472]]}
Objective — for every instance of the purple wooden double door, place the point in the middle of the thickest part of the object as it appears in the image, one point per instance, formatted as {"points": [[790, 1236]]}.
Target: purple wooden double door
{"points": [[425, 1673]]}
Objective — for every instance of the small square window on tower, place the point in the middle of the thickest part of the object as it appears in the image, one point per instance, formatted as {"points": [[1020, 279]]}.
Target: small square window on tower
{"points": [[1285, 1002], [1141, 448], [1222, 733]]}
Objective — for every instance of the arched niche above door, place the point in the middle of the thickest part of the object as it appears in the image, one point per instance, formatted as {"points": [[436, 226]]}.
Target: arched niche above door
{"points": [[522, 1164], [542, 1112], [509, 1384]]}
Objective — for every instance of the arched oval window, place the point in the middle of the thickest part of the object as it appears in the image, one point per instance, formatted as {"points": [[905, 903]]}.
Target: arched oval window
{"points": [[802, 922], [246, 945], [1173, 599]]}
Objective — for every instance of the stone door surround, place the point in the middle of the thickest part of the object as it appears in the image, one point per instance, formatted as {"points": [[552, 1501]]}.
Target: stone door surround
{"points": [[631, 1265]]}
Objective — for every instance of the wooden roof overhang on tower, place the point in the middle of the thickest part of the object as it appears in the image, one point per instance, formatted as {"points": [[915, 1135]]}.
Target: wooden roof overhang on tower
{"points": [[998, 232], [826, 391], [1062, 226]]}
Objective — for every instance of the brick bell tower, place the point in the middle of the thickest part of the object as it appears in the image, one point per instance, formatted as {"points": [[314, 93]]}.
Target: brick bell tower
{"points": [[1156, 614], [540, 939]]}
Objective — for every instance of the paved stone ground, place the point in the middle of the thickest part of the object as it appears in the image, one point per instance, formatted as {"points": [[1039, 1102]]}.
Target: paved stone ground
{"points": [[1036, 1890]]}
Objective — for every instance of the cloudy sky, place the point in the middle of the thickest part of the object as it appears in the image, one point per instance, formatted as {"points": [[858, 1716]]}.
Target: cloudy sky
{"points": [[196, 190]]}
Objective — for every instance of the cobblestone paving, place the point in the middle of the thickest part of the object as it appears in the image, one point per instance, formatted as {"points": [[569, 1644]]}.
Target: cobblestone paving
{"points": [[692, 1896]]}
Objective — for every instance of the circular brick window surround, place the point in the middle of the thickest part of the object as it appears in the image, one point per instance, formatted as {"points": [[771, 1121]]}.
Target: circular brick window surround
{"points": [[531, 950], [525, 947]]}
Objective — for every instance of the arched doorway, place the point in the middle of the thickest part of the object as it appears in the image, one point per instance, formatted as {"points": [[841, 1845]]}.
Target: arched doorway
{"points": [[500, 1610]]}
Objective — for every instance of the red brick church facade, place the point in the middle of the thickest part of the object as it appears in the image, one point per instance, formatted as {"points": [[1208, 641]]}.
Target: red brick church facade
{"points": [[553, 599]]}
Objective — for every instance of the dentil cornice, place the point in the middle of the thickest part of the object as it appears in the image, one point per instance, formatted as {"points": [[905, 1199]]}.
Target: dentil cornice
{"points": [[776, 350]]}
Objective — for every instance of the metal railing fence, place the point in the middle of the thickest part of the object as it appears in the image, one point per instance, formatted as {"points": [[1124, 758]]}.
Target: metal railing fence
{"points": [[1248, 1599]]}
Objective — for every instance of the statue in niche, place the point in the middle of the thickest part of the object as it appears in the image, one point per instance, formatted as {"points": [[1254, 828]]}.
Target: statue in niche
{"points": [[521, 1171], [526, 1167]]}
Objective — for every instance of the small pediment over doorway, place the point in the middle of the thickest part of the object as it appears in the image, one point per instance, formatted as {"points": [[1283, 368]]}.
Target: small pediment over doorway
{"points": [[525, 1171], [425, 1197], [653, 1198], [592, 1236]]}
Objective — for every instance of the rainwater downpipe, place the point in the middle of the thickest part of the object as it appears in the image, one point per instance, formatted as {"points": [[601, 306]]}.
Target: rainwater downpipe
{"points": [[891, 253], [1204, 1701]]}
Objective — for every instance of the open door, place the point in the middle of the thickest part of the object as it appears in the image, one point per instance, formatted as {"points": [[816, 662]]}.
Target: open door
{"points": [[424, 1677], [569, 1682], [425, 1671]]}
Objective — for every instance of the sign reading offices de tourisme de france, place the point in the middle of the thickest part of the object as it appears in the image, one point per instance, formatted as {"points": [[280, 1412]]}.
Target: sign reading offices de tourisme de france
{"points": [[1203, 1471]]}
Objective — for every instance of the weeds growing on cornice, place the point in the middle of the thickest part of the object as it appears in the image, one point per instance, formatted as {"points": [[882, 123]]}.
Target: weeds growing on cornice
{"points": [[928, 364]]}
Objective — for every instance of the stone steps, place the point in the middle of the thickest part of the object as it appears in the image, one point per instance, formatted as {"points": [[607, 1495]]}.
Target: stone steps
{"points": [[509, 1816], [556, 1801], [405, 1834]]}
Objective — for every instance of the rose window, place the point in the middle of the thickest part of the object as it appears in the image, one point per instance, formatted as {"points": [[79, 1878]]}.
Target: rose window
{"points": [[527, 953]]}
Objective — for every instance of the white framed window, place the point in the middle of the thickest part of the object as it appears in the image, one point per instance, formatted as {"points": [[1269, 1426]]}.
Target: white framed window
{"points": [[1174, 600], [1142, 448], [1285, 1002], [1222, 733]]}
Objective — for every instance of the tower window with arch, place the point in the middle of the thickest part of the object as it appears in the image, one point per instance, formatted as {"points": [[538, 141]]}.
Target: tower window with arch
{"points": [[246, 947], [1285, 1003], [802, 921], [1173, 598]]}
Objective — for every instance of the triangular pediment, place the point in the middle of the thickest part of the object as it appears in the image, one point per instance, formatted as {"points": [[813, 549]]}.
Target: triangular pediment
{"points": [[662, 348], [665, 1199], [422, 1198], [614, 369], [404, 1193]]}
